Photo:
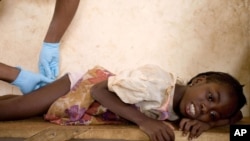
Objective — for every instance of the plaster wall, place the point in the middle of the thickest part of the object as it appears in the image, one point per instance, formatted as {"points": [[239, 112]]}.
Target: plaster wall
{"points": [[182, 36]]}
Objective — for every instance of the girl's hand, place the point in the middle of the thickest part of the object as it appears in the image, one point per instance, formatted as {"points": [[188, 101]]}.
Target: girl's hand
{"points": [[158, 130], [193, 127]]}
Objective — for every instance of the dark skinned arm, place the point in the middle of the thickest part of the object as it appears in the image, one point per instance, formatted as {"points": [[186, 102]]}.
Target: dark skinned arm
{"points": [[49, 55], [63, 15], [156, 130], [237, 117], [35, 103], [195, 127], [8, 73]]}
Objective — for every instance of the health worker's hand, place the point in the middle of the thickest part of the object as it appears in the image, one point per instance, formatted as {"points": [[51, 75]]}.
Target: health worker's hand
{"points": [[28, 81], [49, 60]]}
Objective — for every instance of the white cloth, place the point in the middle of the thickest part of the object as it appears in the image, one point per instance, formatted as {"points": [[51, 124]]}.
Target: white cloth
{"points": [[74, 78], [149, 87]]}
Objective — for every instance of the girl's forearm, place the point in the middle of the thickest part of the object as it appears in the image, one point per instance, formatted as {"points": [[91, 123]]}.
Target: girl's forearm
{"points": [[219, 123], [237, 117], [155, 129]]}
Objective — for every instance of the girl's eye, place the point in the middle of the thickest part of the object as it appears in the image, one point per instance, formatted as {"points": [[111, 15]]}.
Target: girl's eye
{"points": [[213, 115], [210, 97]]}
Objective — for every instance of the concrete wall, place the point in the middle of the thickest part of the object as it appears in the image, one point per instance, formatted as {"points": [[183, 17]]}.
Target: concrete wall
{"points": [[182, 36]]}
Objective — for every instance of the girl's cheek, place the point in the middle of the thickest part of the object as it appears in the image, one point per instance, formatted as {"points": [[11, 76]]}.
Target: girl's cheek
{"points": [[204, 118]]}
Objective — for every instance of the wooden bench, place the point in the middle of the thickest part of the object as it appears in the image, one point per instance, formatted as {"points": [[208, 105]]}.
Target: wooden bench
{"points": [[36, 129]]}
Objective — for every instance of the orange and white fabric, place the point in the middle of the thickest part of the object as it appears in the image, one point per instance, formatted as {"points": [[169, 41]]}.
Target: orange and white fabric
{"points": [[149, 88]]}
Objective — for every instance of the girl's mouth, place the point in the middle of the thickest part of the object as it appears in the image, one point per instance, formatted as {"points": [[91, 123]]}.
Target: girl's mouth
{"points": [[190, 110]]}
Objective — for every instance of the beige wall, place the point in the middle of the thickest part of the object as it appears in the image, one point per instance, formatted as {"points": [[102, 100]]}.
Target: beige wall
{"points": [[182, 36]]}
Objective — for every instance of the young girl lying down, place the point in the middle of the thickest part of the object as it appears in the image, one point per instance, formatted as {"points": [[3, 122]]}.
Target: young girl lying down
{"points": [[148, 96]]}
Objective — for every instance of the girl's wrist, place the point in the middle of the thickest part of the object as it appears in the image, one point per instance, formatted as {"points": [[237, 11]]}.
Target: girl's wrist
{"points": [[141, 119], [211, 124]]}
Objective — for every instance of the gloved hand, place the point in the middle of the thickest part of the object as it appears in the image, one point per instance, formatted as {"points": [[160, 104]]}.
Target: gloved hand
{"points": [[49, 60], [28, 81]]}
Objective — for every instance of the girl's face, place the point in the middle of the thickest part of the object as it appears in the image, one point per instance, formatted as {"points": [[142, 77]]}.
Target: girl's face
{"points": [[208, 101]]}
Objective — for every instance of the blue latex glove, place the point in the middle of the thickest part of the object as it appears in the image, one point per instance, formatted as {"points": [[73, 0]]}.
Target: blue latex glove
{"points": [[49, 60], [28, 81]]}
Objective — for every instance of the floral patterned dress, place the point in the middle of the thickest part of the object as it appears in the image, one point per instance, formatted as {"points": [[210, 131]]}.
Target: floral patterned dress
{"points": [[149, 88], [79, 108]]}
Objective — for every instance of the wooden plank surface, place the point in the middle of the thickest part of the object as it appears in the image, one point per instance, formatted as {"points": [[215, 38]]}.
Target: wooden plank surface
{"points": [[36, 129]]}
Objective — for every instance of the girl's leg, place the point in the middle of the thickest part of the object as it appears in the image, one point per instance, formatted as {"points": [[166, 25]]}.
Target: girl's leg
{"points": [[35, 103]]}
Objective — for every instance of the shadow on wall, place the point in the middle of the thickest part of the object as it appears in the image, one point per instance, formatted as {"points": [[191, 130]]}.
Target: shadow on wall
{"points": [[243, 74], [1, 8], [3, 4], [223, 39]]}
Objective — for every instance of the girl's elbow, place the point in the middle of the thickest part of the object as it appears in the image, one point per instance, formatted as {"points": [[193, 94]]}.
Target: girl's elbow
{"points": [[93, 90], [97, 90]]}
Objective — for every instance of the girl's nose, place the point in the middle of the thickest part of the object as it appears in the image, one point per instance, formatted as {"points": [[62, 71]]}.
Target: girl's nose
{"points": [[204, 108]]}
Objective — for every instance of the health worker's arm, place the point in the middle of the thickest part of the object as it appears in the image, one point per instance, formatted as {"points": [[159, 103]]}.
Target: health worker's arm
{"points": [[63, 15], [49, 55]]}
